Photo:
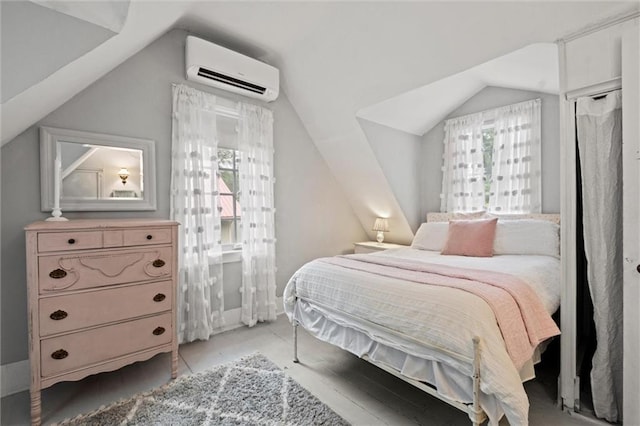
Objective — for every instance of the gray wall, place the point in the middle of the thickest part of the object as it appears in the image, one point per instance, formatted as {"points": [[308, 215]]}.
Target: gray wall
{"points": [[1, 239], [32, 52], [313, 217], [493, 97], [398, 154]]}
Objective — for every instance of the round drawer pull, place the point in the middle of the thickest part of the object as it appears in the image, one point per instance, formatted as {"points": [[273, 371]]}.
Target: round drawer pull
{"points": [[158, 331], [60, 354], [149, 237], [158, 263], [58, 315], [71, 241], [56, 274], [159, 297]]}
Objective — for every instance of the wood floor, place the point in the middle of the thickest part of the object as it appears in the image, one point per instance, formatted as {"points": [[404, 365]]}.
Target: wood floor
{"points": [[358, 391]]}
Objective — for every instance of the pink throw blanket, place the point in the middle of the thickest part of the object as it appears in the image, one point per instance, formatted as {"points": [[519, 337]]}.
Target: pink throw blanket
{"points": [[520, 315]]}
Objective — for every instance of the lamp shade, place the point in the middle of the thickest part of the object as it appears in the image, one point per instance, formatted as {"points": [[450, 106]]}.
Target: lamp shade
{"points": [[381, 225], [124, 174]]}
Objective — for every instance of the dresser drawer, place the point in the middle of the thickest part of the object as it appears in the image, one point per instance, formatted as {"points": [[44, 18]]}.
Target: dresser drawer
{"points": [[88, 270], [77, 350], [90, 308], [59, 241], [143, 237]]}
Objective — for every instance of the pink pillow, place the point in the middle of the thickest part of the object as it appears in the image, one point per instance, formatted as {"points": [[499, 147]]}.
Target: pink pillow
{"points": [[471, 237]]}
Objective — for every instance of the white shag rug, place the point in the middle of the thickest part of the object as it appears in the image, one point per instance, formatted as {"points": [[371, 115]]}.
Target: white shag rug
{"points": [[250, 391]]}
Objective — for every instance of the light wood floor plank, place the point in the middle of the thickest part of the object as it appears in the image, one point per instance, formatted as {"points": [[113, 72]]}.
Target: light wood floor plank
{"points": [[358, 391]]}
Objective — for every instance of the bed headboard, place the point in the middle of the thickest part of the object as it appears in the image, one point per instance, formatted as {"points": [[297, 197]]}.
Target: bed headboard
{"points": [[445, 217]]}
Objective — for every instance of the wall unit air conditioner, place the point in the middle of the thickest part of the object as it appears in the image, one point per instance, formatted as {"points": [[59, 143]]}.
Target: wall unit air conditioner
{"points": [[216, 66]]}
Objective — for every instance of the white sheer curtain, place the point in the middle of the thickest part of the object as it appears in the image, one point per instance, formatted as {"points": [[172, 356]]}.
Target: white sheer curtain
{"points": [[463, 170], [516, 170], [194, 203], [255, 143], [599, 131]]}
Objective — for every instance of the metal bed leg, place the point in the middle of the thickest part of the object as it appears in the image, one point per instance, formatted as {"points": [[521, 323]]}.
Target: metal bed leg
{"points": [[295, 342], [476, 382]]}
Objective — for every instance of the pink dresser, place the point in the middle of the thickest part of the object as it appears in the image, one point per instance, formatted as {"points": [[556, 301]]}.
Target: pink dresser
{"points": [[102, 294]]}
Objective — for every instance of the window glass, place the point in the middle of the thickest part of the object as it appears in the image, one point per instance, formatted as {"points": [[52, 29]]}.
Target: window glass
{"points": [[488, 134], [229, 199], [225, 158]]}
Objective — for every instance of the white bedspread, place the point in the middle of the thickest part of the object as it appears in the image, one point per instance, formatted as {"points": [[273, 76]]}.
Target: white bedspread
{"points": [[445, 317], [542, 273]]}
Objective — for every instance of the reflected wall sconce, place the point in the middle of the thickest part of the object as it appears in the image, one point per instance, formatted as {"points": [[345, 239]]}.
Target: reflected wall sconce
{"points": [[124, 175], [381, 226]]}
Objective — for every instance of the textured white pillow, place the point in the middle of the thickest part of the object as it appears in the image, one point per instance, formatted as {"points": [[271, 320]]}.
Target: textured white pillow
{"points": [[431, 236], [527, 236]]}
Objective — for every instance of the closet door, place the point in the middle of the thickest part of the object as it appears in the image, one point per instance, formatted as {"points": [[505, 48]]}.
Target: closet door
{"points": [[631, 215]]}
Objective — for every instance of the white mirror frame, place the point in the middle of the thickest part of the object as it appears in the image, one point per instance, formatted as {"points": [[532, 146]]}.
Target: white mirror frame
{"points": [[49, 138]]}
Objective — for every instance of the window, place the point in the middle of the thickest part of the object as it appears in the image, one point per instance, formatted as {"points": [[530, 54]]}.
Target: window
{"points": [[208, 132], [229, 198], [492, 161]]}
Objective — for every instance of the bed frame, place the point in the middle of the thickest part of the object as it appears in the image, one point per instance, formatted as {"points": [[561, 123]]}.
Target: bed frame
{"points": [[473, 410]]}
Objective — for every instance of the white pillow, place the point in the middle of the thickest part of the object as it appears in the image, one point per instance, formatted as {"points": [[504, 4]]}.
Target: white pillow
{"points": [[431, 236], [527, 236]]}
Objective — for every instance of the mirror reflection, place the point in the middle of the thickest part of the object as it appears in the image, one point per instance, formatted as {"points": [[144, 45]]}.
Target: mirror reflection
{"points": [[89, 171], [98, 172]]}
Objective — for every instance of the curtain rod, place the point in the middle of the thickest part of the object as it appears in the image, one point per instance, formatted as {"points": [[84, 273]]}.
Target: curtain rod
{"points": [[223, 110], [595, 89], [491, 109]]}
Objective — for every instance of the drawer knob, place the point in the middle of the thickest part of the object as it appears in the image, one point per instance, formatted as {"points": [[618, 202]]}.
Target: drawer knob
{"points": [[58, 315], [158, 263], [159, 297], [56, 274], [60, 354], [71, 241], [158, 331], [149, 237]]}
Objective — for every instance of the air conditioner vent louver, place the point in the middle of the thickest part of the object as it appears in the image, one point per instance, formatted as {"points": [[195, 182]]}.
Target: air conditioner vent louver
{"points": [[219, 67], [203, 72]]}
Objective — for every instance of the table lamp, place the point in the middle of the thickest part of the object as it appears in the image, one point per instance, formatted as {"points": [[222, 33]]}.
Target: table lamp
{"points": [[381, 226]]}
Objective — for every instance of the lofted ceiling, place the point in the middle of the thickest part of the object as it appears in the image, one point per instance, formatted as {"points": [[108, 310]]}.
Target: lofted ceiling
{"points": [[533, 68], [110, 14], [29, 56], [339, 60]]}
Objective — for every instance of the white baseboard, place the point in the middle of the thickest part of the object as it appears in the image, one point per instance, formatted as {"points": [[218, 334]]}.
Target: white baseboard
{"points": [[14, 377], [232, 317]]}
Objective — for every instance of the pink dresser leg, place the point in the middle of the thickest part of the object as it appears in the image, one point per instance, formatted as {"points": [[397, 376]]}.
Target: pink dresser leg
{"points": [[174, 364], [35, 408]]}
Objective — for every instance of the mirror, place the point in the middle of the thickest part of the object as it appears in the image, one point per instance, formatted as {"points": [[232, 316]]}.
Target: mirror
{"points": [[97, 172]]}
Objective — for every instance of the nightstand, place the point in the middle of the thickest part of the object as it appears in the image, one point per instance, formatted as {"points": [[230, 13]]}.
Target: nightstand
{"points": [[373, 246]]}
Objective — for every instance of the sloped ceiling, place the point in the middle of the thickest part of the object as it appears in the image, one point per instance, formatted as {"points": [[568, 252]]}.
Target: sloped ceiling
{"points": [[47, 51], [336, 59], [110, 14], [146, 21], [534, 68]]}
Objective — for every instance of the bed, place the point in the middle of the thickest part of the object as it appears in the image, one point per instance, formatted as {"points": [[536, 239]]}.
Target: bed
{"points": [[443, 323]]}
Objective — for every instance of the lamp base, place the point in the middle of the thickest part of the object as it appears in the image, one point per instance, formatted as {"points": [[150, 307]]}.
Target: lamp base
{"points": [[380, 237], [56, 219], [56, 216]]}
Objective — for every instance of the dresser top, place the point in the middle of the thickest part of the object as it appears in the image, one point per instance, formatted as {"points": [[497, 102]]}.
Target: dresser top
{"points": [[97, 223]]}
